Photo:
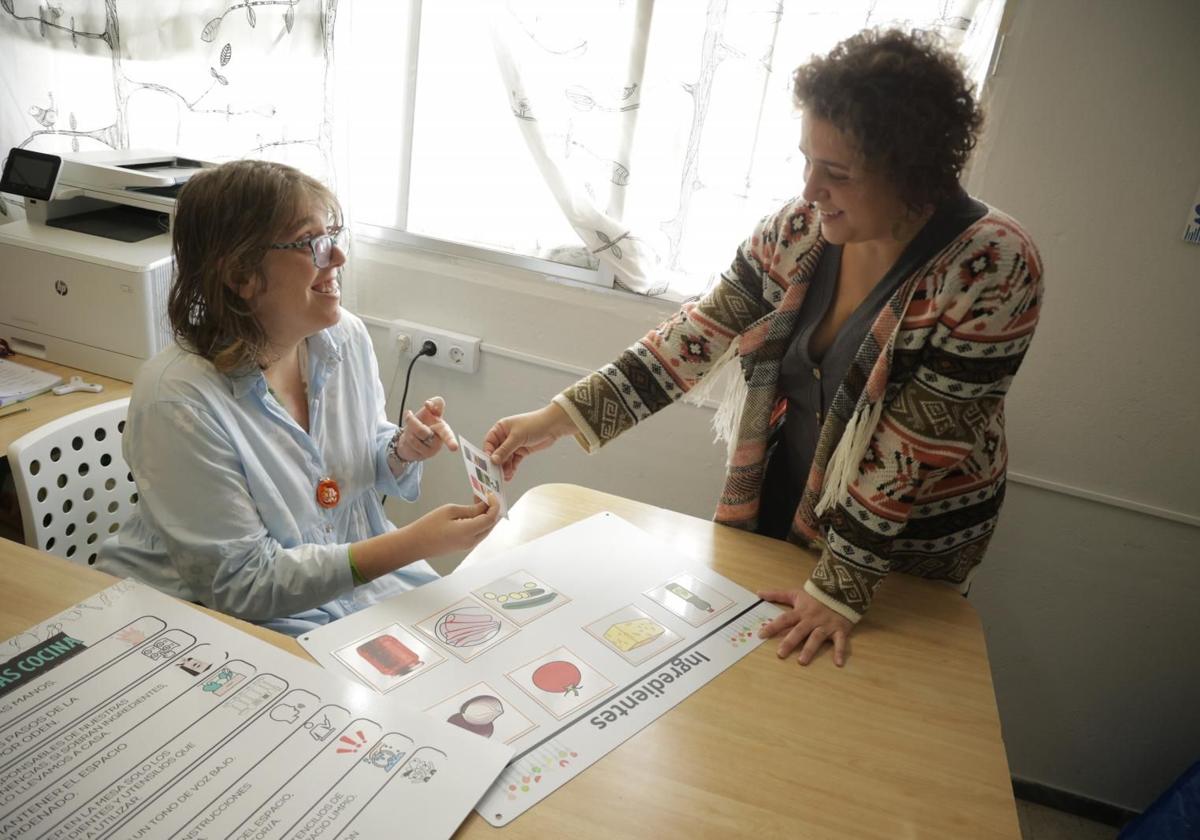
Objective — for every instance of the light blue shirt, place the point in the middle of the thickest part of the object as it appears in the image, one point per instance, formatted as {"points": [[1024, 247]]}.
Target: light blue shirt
{"points": [[227, 514]]}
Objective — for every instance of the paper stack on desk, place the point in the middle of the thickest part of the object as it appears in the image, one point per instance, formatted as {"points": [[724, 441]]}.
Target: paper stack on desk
{"points": [[20, 382]]}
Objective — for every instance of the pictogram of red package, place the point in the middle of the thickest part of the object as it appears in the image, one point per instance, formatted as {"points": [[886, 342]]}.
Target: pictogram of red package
{"points": [[388, 655]]}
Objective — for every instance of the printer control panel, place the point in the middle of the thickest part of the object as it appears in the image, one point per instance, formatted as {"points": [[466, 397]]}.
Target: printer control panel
{"points": [[30, 174]]}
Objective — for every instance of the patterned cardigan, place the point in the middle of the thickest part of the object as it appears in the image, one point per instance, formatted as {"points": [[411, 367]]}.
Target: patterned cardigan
{"points": [[909, 469]]}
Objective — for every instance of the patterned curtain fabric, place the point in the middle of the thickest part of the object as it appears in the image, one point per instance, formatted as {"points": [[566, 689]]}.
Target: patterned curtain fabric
{"points": [[217, 81], [656, 123]]}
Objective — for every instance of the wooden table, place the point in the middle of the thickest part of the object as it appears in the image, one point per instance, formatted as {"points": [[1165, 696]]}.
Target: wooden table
{"points": [[904, 742], [46, 407]]}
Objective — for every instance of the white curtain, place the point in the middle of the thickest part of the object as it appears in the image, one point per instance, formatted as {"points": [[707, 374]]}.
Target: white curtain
{"points": [[657, 122], [218, 81]]}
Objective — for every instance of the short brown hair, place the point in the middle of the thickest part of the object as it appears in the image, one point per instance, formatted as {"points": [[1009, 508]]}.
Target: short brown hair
{"points": [[226, 219], [904, 101]]}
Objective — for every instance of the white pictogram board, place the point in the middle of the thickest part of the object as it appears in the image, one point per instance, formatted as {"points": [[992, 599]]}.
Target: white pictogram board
{"points": [[562, 648]]}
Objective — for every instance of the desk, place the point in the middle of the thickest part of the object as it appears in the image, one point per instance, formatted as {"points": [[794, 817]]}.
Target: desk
{"points": [[46, 407], [904, 742]]}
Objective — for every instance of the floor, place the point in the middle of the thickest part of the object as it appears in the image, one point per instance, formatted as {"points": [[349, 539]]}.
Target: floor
{"points": [[1041, 823]]}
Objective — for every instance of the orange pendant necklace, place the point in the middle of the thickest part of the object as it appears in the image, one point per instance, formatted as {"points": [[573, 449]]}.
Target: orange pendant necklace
{"points": [[328, 493]]}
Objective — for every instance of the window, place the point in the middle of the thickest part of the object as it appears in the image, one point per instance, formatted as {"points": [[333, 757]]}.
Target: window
{"points": [[620, 142], [627, 142], [453, 173]]}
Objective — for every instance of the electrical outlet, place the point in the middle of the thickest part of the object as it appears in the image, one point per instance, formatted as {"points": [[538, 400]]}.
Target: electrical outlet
{"points": [[454, 350]]}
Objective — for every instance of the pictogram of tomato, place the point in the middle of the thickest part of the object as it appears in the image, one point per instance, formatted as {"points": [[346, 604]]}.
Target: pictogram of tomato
{"points": [[558, 677]]}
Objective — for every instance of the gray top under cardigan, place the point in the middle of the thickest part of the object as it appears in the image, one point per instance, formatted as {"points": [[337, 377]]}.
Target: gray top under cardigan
{"points": [[809, 383]]}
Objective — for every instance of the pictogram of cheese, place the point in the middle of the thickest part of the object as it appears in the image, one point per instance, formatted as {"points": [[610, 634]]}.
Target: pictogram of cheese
{"points": [[627, 635]]}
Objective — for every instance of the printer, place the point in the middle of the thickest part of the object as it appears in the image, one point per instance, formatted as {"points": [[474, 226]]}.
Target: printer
{"points": [[84, 277]]}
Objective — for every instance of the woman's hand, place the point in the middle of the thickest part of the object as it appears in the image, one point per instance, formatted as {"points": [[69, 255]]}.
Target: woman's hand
{"points": [[422, 434], [811, 622], [445, 529], [456, 527], [511, 439]]}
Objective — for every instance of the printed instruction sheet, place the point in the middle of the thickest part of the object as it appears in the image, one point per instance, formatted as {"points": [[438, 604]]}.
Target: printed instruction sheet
{"points": [[562, 648], [133, 715]]}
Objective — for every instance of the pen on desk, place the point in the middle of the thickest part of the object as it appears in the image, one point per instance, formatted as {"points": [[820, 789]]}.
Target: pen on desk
{"points": [[13, 411]]}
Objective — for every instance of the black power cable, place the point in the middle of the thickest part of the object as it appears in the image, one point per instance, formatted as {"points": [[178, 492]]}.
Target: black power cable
{"points": [[427, 349]]}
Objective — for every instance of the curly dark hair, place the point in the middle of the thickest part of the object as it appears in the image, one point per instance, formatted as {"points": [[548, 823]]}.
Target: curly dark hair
{"points": [[904, 101], [226, 220]]}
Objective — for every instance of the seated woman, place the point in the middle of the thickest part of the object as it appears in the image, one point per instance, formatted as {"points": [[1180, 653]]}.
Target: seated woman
{"points": [[259, 440], [877, 322]]}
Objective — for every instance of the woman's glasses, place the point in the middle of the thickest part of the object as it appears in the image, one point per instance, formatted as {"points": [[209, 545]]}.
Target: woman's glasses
{"points": [[321, 245]]}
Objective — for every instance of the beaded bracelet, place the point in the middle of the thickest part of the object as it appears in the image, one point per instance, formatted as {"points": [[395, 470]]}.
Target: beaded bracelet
{"points": [[397, 463]]}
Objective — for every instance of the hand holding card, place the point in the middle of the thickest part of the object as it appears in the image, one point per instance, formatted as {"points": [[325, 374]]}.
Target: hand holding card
{"points": [[484, 476]]}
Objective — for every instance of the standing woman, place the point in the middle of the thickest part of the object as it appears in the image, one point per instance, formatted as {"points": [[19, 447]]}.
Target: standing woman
{"points": [[877, 322], [259, 440]]}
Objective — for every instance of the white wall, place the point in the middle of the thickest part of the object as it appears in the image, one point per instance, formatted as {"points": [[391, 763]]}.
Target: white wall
{"points": [[1090, 608], [1092, 612], [565, 331], [1094, 144]]}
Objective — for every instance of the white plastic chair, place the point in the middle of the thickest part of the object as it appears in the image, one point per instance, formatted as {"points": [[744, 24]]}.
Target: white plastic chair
{"points": [[73, 485]]}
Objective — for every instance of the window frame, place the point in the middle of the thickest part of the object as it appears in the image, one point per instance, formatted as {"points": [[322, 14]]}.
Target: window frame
{"points": [[603, 277]]}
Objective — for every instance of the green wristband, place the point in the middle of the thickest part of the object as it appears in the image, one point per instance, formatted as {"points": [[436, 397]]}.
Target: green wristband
{"points": [[359, 580]]}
